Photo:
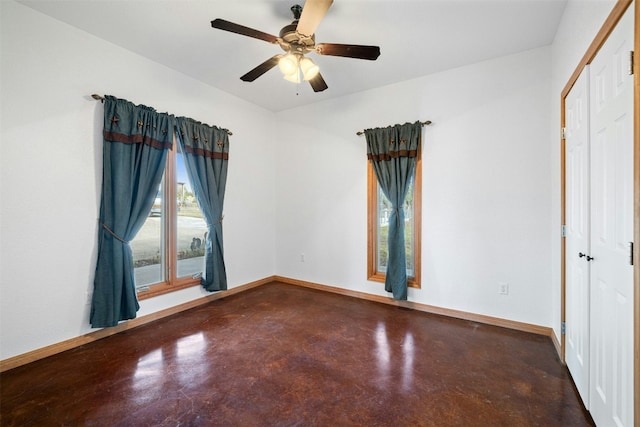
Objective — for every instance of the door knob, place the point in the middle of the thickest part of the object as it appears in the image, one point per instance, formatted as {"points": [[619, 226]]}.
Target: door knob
{"points": [[580, 254], [590, 258]]}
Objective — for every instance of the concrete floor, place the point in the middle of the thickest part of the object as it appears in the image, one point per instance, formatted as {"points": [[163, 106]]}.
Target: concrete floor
{"points": [[282, 355]]}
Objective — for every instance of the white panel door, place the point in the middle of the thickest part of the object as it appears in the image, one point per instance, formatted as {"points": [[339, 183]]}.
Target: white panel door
{"points": [[611, 137], [577, 234]]}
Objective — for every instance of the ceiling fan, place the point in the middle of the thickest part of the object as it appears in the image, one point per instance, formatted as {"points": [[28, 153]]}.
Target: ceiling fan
{"points": [[298, 39]]}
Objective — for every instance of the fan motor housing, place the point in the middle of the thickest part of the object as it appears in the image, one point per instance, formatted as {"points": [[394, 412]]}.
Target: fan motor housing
{"points": [[289, 34]]}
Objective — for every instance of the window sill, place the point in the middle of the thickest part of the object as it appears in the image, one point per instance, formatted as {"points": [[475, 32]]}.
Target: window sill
{"points": [[166, 288], [380, 277]]}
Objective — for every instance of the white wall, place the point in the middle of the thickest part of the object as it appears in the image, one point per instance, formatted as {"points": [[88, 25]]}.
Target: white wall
{"points": [[50, 172], [580, 23], [486, 179]]}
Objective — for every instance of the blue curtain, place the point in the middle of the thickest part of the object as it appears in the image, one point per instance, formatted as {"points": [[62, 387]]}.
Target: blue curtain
{"points": [[205, 150], [393, 153], [136, 142]]}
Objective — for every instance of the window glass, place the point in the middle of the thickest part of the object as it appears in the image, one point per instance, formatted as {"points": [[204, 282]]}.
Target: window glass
{"points": [[168, 251], [147, 247], [191, 226], [383, 213], [378, 213]]}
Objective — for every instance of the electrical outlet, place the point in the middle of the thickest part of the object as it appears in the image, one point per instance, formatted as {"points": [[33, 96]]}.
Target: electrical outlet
{"points": [[503, 288]]}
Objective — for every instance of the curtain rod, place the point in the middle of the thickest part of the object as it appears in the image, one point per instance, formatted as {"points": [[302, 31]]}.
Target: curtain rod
{"points": [[101, 99], [425, 123]]}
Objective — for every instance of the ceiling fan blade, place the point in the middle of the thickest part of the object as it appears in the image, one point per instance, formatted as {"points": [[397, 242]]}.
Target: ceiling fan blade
{"points": [[261, 69], [312, 13], [349, 50], [318, 84], [221, 24]]}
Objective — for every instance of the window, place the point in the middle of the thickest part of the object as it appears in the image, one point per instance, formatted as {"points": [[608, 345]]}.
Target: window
{"points": [[168, 251], [378, 209]]}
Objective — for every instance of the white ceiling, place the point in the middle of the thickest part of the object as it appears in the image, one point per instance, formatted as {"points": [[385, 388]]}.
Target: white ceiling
{"points": [[416, 38]]}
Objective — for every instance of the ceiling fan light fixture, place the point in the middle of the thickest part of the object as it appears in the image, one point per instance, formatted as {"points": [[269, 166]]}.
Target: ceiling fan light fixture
{"points": [[288, 64], [294, 76], [309, 68]]}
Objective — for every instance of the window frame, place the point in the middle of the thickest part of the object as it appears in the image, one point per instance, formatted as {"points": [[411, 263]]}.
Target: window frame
{"points": [[169, 257], [372, 217]]}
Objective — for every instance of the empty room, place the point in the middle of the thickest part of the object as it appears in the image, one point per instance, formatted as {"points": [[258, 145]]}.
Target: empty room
{"points": [[329, 213]]}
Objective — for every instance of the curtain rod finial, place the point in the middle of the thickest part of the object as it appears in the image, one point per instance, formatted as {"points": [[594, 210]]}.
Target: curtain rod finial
{"points": [[97, 97]]}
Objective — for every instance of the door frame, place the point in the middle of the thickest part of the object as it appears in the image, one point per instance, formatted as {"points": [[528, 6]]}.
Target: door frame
{"points": [[616, 14]]}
